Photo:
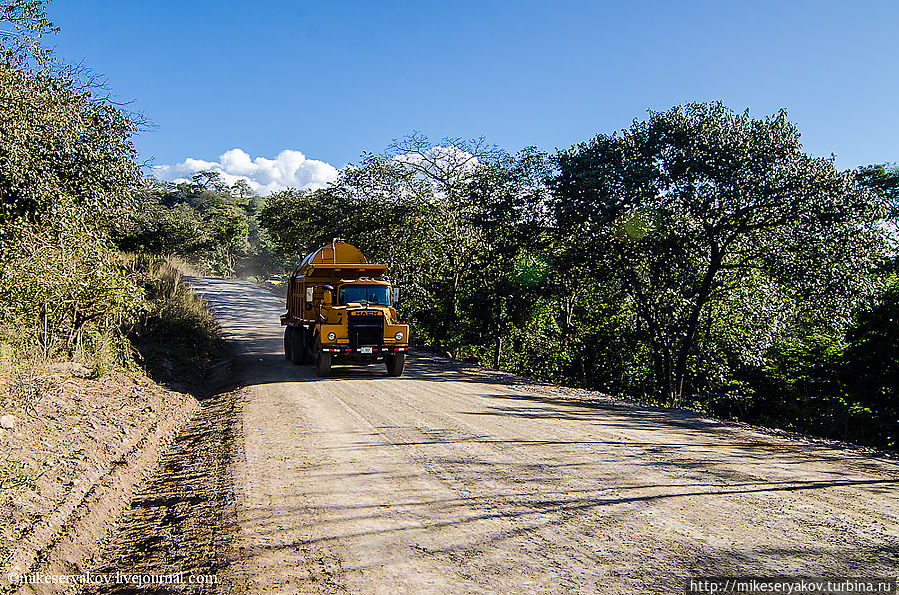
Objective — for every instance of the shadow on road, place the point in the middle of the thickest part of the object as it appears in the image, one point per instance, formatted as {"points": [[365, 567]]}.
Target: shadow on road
{"points": [[532, 513]]}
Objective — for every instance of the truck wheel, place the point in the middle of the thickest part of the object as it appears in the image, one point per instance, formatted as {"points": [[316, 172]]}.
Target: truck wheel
{"points": [[395, 364], [296, 347], [322, 360], [287, 339]]}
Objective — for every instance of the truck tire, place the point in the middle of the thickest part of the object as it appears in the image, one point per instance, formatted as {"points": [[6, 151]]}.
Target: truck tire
{"points": [[296, 347], [395, 364], [287, 339], [322, 360]]}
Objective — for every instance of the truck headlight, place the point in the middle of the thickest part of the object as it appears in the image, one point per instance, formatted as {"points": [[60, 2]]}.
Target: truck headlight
{"points": [[332, 336], [398, 336]]}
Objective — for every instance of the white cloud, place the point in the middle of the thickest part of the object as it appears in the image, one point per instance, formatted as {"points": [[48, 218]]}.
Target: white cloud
{"points": [[290, 169], [448, 160]]}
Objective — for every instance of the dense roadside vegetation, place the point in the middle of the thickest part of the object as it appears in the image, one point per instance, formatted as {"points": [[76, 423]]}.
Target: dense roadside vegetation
{"points": [[698, 258], [66, 169], [68, 180], [205, 221]]}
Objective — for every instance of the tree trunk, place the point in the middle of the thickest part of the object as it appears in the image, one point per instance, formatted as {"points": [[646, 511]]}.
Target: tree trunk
{"points": [[705, 290], [498, 328], [452, 305], [668, 379], [658, 367]]}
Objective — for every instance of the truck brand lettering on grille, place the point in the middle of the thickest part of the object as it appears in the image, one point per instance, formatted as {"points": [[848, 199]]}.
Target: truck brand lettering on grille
{"points": [[366, 313]]}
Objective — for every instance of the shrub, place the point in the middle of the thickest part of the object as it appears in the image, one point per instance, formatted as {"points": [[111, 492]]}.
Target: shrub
{"points": [[65, 290]]}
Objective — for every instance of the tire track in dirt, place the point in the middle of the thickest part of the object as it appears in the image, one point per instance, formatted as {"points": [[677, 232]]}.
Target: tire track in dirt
{"points": [[179, 522]]}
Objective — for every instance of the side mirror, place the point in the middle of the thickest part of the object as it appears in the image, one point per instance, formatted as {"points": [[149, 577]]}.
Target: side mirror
{"points": [[395, 299], [327, 295]]}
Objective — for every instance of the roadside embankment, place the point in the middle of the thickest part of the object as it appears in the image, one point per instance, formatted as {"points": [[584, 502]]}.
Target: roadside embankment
{"points": [[81, 446]]}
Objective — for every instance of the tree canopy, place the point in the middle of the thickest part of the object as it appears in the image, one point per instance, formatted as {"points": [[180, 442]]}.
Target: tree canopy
{"points": [[59, 140], [683, 210]]}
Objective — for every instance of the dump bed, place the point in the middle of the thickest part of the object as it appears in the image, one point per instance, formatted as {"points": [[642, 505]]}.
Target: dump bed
{"points": [[328, 265]]}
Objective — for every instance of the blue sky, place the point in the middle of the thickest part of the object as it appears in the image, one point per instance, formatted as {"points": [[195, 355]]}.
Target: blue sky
{"points": [[334, 79]]}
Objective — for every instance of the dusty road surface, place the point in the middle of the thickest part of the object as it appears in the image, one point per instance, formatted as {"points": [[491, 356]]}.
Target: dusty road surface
{"points": [[450, 480]]}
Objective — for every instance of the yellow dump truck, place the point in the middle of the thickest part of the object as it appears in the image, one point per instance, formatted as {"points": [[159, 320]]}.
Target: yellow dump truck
{"points": [[341, 309]]}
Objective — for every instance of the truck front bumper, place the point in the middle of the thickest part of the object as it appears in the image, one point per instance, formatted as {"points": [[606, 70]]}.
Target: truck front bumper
{"points": [[383, 349]]}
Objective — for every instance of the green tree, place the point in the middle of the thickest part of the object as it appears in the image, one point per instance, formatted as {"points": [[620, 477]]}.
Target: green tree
{"points": [[66, 173], [206, 179], [63, 285], [870, 366], [435, 179], [213, 229], [228, 231], [508, 211], [58, 140], [683, 209], [242, 189], [23, 23], [884, 180]]}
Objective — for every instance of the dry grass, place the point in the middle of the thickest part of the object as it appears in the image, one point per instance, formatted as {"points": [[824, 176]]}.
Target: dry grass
{"points": [[23, 375], [178, 336], [24, 379]]}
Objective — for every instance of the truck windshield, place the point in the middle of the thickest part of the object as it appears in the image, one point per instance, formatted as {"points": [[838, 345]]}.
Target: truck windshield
{"points": [[364, 294]]}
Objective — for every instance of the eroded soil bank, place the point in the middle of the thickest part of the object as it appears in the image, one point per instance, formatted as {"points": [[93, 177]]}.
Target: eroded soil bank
{"points": [[82, 446]]}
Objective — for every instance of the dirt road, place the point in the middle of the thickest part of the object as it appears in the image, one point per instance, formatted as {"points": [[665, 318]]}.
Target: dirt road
{"points": [[450, 480]]}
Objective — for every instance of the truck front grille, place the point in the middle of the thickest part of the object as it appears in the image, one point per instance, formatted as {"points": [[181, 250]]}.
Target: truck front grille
{"points": [[366, 330]]}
